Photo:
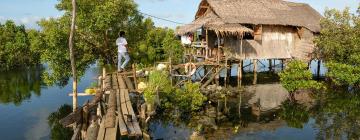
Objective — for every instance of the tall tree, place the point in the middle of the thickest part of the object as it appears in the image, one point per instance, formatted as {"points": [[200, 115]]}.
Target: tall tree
{"points": [[339, 45], [72, 58]]}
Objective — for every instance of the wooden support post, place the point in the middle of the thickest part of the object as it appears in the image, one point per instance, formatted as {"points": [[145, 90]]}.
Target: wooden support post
{"points": [[218, 62], [255, 71], [282, 64], [134, 75], [241, 63], [270, 65], [227, 72], [103, 76], [240, 72], [318, 69], [211, 78], [207, 46]]}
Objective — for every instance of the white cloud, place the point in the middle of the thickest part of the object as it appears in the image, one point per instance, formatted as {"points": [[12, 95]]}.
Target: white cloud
{"points": [[2, 19], [30, 20], [40, 128]]}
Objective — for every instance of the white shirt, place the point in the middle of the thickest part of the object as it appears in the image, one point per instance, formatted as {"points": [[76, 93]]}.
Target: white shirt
{"points": [[121, 42], [185, 40]]}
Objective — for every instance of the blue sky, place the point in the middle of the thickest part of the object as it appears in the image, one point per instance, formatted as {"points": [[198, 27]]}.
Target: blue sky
{"points": [[29, 11]]}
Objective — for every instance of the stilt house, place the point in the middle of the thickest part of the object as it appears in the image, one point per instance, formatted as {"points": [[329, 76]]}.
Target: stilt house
{"points": [[255, 29]]}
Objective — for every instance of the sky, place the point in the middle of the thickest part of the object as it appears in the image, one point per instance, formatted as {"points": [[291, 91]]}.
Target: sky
{"points": [[27, 12]]}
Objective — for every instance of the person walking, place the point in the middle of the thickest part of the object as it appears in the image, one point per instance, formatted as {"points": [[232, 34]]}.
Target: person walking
{"points": [[122, 51]]}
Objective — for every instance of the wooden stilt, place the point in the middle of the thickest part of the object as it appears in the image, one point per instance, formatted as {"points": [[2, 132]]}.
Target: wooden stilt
{"points": [[240, 72], [207, 46], [226, 74], [270, 65], [134, 75], [318, 69], [218, 62], [282, 64], [255, 71], [103, 76]]}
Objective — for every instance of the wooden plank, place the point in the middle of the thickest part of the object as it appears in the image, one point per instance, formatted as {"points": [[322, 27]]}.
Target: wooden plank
{"points": [[111, 132], [114, 82], [107, 82], [121, 82], [132, 113], [76, 116], [101, 133], [81, 94], [126, 113], [110, 114], [129, 84], [77, 132], [122, 125]]}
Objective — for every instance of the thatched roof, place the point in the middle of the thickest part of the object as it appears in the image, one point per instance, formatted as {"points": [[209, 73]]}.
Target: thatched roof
{"points": [[211, 21], [257, 12], [266, 12]]}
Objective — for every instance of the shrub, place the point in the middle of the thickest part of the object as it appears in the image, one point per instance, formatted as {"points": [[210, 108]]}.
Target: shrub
{"points": [[297, 76], [190, 97]]}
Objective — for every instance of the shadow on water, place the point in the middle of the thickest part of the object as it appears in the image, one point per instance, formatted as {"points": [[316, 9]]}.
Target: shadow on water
{"points": [[19, 85]]}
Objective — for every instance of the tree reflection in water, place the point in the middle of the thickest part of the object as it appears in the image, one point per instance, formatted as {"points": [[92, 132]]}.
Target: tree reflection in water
{"points": [[58, 132], [338, 116], [19, 85]]}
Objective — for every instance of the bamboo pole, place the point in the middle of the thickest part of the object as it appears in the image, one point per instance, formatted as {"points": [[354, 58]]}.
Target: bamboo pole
{"points": [[103, 78], [270, 65], [240, 73], [240, 67], [72, 58], [207, 46], [318, 69], [218, 61], [227, 72], [134, 75], [255, 71]]}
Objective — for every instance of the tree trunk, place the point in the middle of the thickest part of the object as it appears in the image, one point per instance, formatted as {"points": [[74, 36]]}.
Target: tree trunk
{"points": [[72, 58]]}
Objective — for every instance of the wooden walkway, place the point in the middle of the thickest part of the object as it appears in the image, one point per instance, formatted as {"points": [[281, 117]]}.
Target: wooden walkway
{"points": [[119, 118]]}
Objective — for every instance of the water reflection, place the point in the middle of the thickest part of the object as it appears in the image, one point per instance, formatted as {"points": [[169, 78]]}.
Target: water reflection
{"points": [[58, 132], [338, 116], [19, 85], [26, 103], [334, 115]]}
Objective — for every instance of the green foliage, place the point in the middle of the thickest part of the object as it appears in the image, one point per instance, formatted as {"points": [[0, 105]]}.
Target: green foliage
{"points": [[189, 98], [344, 74], [172, 47], [294, 114], [98, 24], [297, 76], [339, 45], [55, 52], [58, 132], [16, 49], [158, 82], [159, 44]]}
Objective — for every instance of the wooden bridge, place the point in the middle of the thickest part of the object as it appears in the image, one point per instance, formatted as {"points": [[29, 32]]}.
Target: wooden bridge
{"points": [[109, 115]]}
